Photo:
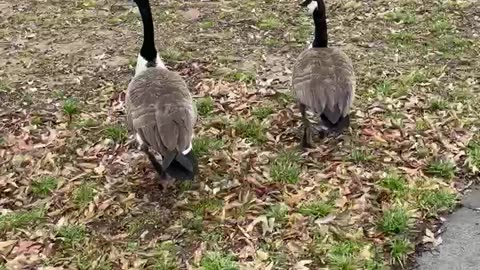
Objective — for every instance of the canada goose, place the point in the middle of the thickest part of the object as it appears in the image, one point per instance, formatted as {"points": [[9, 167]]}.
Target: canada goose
{"points": [[160, 110], [323, 80]]}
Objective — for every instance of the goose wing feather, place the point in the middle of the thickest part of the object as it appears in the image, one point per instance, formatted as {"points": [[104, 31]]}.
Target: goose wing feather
{"points": [[160, 110], [324, 80]]}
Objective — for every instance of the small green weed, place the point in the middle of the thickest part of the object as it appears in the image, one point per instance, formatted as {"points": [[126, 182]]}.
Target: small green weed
{"points": [[171, 55], [395, 183], [343, 255], [441, 25], [262, 112], [402, 38], [438, 104], [218, 261], [434, 201], [71, 108], [207, 24], [278, 211], [269, 23], [384, 88], [286, 168], [360, 155], [20, 219], [442, 168], [251, 130], [84, 194], [316, 209], [399, 250], [242, 76], [401, 16], [44, 186], [117, 133], [395, 221], [473, 156], [72, 235], [203, 145], [205, 106]]}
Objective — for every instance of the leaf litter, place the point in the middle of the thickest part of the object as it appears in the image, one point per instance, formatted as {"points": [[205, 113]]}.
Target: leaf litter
{"points": [[75, 195]]}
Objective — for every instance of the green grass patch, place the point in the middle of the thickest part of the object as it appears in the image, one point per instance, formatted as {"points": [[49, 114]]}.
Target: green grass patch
{"points": [[84, 194], [218, 261], [166, 259], [20, 219], [317, 209], [286, 168], [205, 106], [451, 45], [402, 38], [206, 205], [399, 250], [438, 104], [204, 145], [262, 112], [252, 130], [207, 24], [72, 235], [117, 133], [385, 88], [442, 168], [242, 76], [278, 211], [395, 221], [269, 23], [71, 107], [360, 155], [44, 186], [171, 55], [473, 156], [395, 183], [436, 200], [441, 25], [343, 255], [401, 16]]}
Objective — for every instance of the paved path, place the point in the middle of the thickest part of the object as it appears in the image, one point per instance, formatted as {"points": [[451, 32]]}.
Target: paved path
{"points": [[460, 249]]}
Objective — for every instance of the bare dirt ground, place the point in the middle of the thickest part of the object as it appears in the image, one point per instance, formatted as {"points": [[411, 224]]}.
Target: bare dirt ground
{"points": [[73, 195]]}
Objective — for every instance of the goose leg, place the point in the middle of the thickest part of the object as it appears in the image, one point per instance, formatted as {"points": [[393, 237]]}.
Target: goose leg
{"points": [[165, 179], [307, 130]]}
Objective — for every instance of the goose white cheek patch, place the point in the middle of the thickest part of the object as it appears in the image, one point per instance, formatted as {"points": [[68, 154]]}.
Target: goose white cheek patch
{"points": [[312, 6], [188, 149]]}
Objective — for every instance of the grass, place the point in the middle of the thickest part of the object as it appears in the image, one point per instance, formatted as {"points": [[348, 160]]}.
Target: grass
{"points": [[269, 23], [399, 250], [401, 16], [442, 168], [416, 97], [285, 168], [395, 184], [205, 106], [434, 201], [343, 255], [71, 108], [72, 235], [20, 219], [317, 209], [473, 156], [278, 211], [44, 186], [218, 261], [394, 221], [242, 76], [360, 155], [262, 112], [251, 130], [202, 146], [117, 133], [84, 194]]}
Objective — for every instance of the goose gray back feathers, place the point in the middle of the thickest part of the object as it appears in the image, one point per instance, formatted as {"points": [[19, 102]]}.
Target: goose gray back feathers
{"points": [[160, 110], [323, 79]]}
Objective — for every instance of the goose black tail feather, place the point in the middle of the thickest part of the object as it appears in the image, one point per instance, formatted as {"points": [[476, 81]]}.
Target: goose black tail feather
{"points": [[342, 123], [183, 167]]}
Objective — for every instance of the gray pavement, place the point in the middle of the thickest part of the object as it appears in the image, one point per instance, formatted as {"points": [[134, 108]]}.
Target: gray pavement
{"points": [[460, 249]]}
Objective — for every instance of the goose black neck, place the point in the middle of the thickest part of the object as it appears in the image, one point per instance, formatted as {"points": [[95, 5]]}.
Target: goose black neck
{"points": [[148, 50], [320, 20]]}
